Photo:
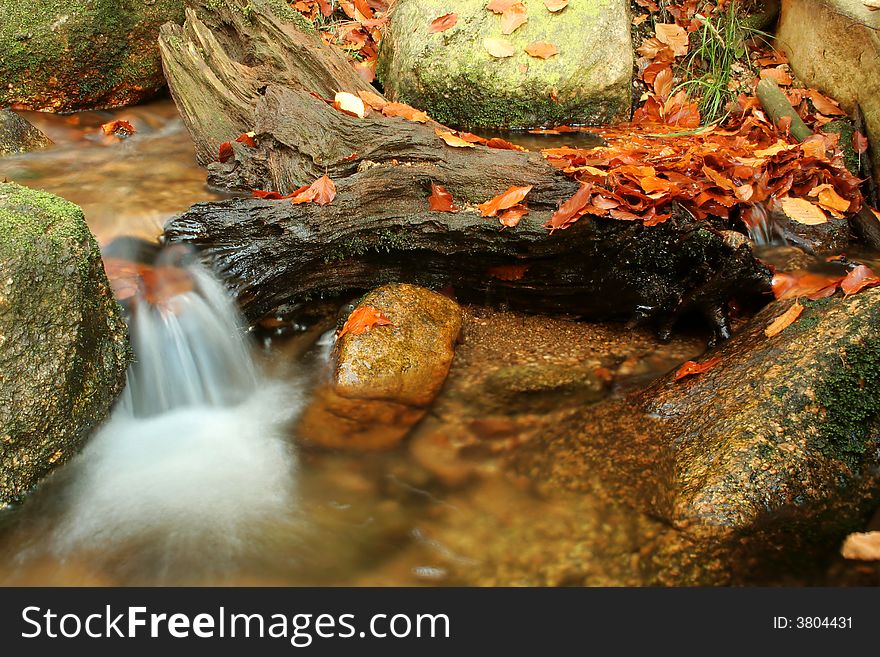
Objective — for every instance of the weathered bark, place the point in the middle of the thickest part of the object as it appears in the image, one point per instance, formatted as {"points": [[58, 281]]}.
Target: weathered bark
{"points": [[232, 71]]}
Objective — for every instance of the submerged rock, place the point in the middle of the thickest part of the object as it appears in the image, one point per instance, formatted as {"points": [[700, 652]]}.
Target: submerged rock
{"points": [[451, 75], [67, 55], [779, 441], [63, 343], [19, 136], [852, 74], [383, 380]]}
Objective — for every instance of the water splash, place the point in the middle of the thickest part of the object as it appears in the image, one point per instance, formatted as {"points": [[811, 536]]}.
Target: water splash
{"points": [[195, 448]]}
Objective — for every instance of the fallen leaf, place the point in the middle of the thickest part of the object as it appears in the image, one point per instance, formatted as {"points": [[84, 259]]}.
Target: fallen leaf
{"points": [[859, 142], [497, 142], [362, 320], [802, 211], [498, 48], [350, 104], [225, 153], [119, 128], [692, 368], [500, 6], [824, 104], [779, 74], [541, 49], [375, 101], [404, 111], [503, 201], [785, 320], [247, 139], [555, 5], [663, 82], [270, 196], [515, 16], [511, 217], [829, 199], [858, 279], [440, 200], [571, 209], [453, 140], [674, 36], [509, 272], [443, 23], [320, 192], [864, 546], [813, 285]]}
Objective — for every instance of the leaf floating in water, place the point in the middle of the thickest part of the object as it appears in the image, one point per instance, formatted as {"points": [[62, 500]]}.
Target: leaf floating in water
{"points": [[362, 320], [225, 152], [440, 200], [785, 320], [503, 201], [692, 368], [443, 23], [119, 128]]}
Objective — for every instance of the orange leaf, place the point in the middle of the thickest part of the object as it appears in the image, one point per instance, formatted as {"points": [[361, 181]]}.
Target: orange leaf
{"points": [[824, 104], [453, 140], [511, 218], [663, 82], [555, 5], [541, 49], [500, 6], [785, 320], [362, 320], [829, 198], [571, 209], [321, 192], [692, 367], [405, 111], [498, 48], [509, 272], [497, 142], [440, 200], [120, 128], [225, 152], [375, 101], [673, 36], [270, 196], [503, 201], [247, 139], [443, 23], [513, 18], [779, 74], [859, 278]]}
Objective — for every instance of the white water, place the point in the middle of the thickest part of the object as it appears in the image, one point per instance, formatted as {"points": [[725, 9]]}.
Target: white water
{"points": [[195, 450]]}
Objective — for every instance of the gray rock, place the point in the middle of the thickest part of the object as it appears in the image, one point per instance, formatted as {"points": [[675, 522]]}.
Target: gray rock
{"points": [[19, 136], [63, 343], [452, 76]]}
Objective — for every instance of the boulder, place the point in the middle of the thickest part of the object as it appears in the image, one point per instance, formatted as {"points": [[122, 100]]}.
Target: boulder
{"points": [[63, 343], [780, 438], [19, 136], [383, 380], [451, 75], [834, 45], [68, 55]]}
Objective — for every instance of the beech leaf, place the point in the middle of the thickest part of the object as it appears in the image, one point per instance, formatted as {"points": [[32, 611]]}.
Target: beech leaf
{"points": [[541, 49], [362, 320], [453, 140], [514, 17], [692, 368], [498, 48], [674, 36], [440, 200], [509, 198], [225, 152], [555, 5], [119, 128], [803, 212], [442, 23], [785, 320]]}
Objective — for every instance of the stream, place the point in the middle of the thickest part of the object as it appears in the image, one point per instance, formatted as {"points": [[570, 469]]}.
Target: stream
{"points": [[199, 476]]}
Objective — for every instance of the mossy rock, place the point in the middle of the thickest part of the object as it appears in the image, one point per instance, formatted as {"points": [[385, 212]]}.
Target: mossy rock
{"points": [[68, 55], [19, 136], [63, 343], [784, 430], [452, 76]]}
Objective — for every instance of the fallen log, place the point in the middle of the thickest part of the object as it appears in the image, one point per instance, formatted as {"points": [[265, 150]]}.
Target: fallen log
{"points": [[233, 70]]}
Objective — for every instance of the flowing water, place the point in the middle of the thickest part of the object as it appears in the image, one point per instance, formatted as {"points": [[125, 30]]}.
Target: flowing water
{"points": [[199, 476]]}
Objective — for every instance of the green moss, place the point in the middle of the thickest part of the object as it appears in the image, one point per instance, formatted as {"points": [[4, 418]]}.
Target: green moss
{"points": [[850, 395], [845, 129]]}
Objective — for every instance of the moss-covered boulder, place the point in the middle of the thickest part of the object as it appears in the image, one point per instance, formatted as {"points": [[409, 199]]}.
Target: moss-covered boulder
{"points": [[67, 55], [452, 75], [784, 430], [63, 343], [806, 30], [19, 136]]}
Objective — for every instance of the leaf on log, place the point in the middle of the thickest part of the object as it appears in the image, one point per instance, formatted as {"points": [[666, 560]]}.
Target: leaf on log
{"points": [[320, 192], [503, 201], [829, 199], [692, 368], [802, 211], [404, 111], [440, 200], [350, 104], [453, 140], [511, 217], [247, 139], [225, 152], [571, 210], [785, 320]]}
